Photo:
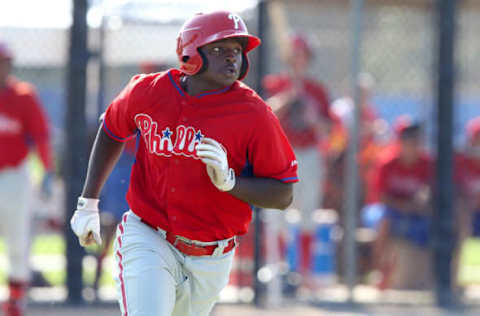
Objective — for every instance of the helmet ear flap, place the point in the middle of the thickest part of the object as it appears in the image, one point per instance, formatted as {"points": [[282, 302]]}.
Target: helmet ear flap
{"points": [[243, 67], [204, 61]]}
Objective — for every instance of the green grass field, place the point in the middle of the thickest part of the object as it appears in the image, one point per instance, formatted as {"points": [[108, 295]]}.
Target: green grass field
{"points": [[52, 247]]}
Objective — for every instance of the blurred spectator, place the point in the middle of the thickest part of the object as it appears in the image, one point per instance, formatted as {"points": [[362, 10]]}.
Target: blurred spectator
{"points": [[403, 184], [113, 201], [467, 178], [23, 128], [302, 106], [372, 138]]}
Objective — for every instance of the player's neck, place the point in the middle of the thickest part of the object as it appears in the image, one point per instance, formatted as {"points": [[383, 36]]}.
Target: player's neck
{"points": [[195, 86]]}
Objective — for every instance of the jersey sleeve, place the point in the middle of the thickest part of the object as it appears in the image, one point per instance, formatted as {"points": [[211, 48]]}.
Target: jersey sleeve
{"points": [[119, 121], [270, 153]]}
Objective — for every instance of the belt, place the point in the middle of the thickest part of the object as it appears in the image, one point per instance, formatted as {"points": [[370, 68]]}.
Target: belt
{"points": [[189, 247]]}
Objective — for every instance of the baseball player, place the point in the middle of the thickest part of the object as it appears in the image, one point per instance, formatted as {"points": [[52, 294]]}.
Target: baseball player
{"points": [[302, 105], [467, 178], [209, 148], [23, 127], [403, 184], [467, 174]]}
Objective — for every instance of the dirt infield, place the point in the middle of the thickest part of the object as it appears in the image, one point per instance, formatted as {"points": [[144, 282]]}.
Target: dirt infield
{"points": [[248, 310]]}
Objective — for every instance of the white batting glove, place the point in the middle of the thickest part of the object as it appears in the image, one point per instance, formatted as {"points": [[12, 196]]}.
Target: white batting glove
{"points": [[215, 158], [85, 222]]}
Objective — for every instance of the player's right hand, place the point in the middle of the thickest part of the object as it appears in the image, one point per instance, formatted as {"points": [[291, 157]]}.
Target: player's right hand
{"points": [[85, 222], [215, 158]]}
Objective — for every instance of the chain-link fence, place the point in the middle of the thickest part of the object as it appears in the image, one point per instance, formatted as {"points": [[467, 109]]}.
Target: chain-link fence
{"points": [[304, 247], [397, 91]]}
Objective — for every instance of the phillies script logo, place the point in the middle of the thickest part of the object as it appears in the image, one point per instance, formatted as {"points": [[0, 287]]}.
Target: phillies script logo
{"points": [[161, 143]]}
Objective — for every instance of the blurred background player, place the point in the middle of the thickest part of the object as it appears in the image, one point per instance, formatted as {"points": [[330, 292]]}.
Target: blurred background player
{"points": [[467, 176], [302, 106], [373, 137], [114, 203], [23, 127], [403, 185]]}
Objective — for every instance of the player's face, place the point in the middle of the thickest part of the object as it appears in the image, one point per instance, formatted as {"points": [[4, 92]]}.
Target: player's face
{"points": [[299, 62], [411, 146], [5, 68], [224, 62]]}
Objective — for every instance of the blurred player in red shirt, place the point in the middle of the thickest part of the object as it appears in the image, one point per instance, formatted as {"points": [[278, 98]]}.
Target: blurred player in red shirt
{"points": [[467, 180], [467, 174], [403, 185], [23, 127], [302, 106], [372, 138], [372, 131]]}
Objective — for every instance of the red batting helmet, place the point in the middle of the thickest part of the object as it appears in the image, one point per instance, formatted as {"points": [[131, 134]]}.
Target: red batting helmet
{"points": [[207, 28], [5, 52], [473, 128]]}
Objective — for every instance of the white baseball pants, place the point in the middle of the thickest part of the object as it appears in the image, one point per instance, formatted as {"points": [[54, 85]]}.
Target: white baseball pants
{"points": [[155, 279], [15, 211], [308, 192]]}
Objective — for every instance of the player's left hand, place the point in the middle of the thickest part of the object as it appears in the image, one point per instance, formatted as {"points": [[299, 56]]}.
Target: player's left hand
{"points": [[85, 222], [215, 158]]}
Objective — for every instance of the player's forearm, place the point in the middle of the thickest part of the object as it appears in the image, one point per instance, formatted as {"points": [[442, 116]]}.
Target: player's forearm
{"points": [[263, 192], [104, 156]]}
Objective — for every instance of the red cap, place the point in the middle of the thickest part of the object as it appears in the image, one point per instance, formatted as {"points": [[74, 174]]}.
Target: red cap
{"points": [[299, 42], [5, 52], [473, 128]]}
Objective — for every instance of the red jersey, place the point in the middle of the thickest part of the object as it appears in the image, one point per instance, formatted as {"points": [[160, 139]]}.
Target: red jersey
{"points": [[314, 95], [467, 176], [22, 124], [403, 181], [169, 185]]}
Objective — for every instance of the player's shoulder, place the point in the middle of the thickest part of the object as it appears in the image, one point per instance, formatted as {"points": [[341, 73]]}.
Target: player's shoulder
{"points": [[389, 156], [249, 99], [426, 158], [314, 85], [151, 80]]}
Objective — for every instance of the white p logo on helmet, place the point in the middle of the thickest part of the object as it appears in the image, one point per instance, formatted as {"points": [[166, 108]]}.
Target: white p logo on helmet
{"points": [[236, 19]]}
